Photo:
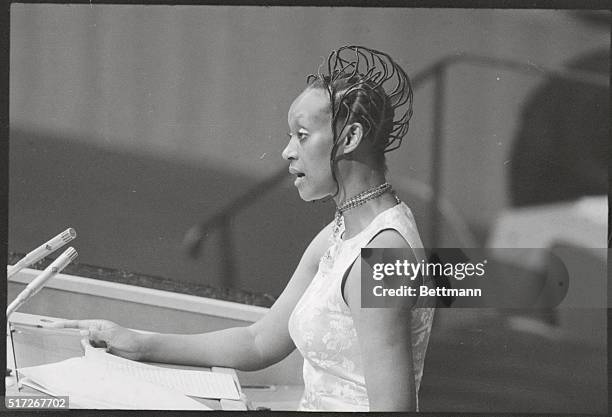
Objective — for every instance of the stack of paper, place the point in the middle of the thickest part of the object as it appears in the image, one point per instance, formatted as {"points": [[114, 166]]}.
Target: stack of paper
{"points": [[195, 383], [101, 380]]}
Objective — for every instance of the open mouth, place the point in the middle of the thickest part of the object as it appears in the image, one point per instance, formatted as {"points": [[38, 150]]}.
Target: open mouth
{"points": [[297, 173], [299, 177]]}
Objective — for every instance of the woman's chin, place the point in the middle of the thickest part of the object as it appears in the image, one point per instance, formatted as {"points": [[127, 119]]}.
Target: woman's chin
{"points": [[306, 196]]}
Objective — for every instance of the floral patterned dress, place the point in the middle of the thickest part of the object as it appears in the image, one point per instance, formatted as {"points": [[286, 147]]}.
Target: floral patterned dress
{"points": [[322, 327]]}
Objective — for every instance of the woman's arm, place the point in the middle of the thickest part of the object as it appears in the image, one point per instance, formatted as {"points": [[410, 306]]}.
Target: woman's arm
{"points": [[384, 336], [233, 347], [249, 348], [245, 348]]}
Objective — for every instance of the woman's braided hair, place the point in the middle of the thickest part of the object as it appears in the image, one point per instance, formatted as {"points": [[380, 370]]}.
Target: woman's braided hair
{"points": [[366, 86]]}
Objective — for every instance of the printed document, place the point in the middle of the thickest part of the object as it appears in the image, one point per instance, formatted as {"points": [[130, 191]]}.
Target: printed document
{"points": [[102, 380]]}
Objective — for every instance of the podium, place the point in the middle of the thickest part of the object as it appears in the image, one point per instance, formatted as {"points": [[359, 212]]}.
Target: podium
{"points": [[89, 294], [29, 345]]}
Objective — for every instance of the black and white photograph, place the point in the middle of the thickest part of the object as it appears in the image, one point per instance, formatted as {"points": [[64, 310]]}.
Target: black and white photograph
{"points": [[307, 208]]}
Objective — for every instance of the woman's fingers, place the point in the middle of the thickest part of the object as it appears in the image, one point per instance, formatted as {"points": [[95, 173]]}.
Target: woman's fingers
{"points": [[80, 324], [99, 334], [85, 343], [88, 345], [69, 324], [99, 338]]}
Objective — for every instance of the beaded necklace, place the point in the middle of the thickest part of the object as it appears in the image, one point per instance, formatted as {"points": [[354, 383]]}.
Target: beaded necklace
{"points": [[360, 199]]}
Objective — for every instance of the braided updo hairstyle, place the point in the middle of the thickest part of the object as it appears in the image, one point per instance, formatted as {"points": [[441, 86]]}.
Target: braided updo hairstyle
{"points": [[366, 86]]}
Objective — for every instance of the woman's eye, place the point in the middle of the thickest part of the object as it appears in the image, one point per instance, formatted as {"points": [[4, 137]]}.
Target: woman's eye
{"points": [[302, 135]]}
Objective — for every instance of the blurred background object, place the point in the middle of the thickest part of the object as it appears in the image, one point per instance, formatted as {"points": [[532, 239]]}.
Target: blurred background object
{"points": [[560, 155]]}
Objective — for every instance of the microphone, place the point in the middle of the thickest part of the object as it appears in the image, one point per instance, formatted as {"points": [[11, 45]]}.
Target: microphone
{"points": [[37, 283], [42, 251]]}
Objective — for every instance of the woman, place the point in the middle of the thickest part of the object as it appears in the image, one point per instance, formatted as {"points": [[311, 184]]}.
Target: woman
{"points": [[355, 359]]}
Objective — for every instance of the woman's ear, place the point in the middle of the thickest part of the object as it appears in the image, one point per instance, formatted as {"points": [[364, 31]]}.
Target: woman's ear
{"points": [[352, 139]]}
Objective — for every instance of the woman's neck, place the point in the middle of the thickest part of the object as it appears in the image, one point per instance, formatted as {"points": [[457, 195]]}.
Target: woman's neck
{"points": [[358, 218]]}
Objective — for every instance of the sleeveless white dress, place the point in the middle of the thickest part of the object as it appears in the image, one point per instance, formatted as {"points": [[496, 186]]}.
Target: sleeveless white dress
{"points": [[322, 327]]}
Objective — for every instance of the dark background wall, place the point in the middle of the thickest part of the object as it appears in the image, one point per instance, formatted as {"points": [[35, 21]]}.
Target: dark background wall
{"points": [[133, 123]]}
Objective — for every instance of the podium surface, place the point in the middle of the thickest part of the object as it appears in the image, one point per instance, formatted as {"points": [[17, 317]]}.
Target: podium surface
{"points": [[30, 345]]}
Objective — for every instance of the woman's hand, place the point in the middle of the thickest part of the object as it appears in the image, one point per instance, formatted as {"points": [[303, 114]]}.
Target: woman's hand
{"points": [[103, 333]]}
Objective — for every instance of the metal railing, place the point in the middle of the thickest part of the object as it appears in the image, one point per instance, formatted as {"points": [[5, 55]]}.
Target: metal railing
{"points": [[438, 71]]}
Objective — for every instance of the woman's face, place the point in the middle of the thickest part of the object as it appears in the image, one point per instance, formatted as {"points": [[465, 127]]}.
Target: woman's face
{"points": [[310, 144]]}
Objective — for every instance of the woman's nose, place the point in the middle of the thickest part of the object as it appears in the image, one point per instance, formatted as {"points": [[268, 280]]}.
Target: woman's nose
{"points": [[289, 152]]}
